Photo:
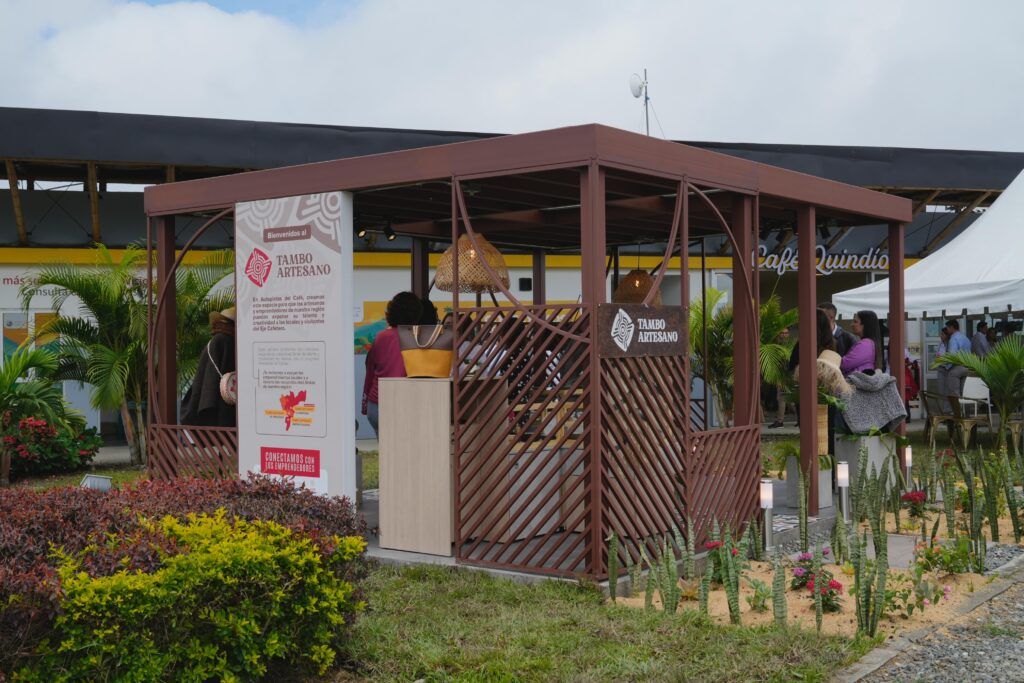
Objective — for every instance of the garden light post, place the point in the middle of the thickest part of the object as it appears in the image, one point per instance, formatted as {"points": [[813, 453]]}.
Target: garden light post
{"points": [[909, 461], [843, 480], [766, 505]]}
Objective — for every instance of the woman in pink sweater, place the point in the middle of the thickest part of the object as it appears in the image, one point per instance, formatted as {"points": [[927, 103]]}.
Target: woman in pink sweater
{"points": [[385, 356], [866, 354]]}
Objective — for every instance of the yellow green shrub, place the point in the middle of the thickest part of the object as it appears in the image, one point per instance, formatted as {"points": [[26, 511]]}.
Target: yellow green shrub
{"points": [[239, 599]]}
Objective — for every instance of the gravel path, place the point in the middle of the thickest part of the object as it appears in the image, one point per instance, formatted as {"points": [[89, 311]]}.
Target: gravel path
{"points": [[984, 646], [998, 555]]}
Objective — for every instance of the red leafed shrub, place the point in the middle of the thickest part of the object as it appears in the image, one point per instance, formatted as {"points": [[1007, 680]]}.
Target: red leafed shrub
{"points": [[33, 524], [37, 447]]}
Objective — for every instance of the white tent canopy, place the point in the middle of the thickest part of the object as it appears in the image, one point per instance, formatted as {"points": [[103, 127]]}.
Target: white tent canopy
{"points": [[981, 268]]}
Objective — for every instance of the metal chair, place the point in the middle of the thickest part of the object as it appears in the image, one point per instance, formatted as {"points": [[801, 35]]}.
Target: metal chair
{"points": [[935, 415], [975, 393], [965, 425]]}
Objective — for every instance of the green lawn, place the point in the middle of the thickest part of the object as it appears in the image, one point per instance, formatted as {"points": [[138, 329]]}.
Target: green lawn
{"points": [[371, 469], [444, 625], [122, 475]]}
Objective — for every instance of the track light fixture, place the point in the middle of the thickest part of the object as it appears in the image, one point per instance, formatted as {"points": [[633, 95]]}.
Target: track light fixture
{"points": [[361, 232], [389, 232]]}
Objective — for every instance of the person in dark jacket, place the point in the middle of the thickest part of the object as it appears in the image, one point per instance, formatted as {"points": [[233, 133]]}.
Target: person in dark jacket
{"points": [[203, 405], [844, 339]]}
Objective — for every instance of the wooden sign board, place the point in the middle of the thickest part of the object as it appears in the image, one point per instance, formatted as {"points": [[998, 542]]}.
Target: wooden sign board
{"points": [[635, 330]]}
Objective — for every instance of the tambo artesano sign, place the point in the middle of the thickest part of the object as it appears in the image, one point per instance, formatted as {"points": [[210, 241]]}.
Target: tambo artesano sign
{"points": [[295, 388], [635, 330], [825, 263]]}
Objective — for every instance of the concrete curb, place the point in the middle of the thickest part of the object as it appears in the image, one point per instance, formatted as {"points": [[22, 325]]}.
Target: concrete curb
{"points": [[1012, 573]]}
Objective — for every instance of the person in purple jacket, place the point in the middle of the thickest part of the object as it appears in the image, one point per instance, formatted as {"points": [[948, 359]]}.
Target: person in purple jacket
{"points": [[866, 354]]}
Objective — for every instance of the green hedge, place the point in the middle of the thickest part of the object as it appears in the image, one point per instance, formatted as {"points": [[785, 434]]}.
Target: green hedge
{"points": [[230, 600]]}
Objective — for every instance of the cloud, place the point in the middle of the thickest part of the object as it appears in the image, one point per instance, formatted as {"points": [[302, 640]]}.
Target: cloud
{"points": [[927, 74]]}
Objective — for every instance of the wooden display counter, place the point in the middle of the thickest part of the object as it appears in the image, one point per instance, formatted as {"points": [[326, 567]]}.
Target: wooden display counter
{"points": [[416, 497]]}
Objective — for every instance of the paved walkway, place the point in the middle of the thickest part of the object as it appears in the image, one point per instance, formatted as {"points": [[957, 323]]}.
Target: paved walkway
{"points": [[982, 645]]}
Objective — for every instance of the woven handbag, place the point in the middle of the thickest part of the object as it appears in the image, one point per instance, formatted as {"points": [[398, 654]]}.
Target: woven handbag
{"points": [[228, 381], [427, 350]]}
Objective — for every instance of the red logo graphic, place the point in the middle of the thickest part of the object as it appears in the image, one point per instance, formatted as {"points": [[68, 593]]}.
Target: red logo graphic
{"points": [[257, 268]]}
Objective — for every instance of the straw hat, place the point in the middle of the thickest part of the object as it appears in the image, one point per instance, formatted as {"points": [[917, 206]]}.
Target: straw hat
{"points": [[830, 377], [227, 316]]}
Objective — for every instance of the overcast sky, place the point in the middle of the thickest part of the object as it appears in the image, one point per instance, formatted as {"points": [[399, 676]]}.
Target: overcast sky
{"points": [[914, 74]]}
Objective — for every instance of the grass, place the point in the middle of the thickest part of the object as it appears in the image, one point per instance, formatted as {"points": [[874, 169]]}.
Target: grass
{"points": [[371, 469], [122, 475], [439, 624]]}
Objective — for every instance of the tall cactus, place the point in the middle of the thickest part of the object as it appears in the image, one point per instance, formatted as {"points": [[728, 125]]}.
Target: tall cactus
{"points": [[949, 500], [840, 541], [613, 566], [989, 473], [802, 508], [705, 588], [670, 593], [1011, 494], [778, 590], [731, 575], [976, 517], [756, 547], [870, 581], [818, 585], [691, 539]]}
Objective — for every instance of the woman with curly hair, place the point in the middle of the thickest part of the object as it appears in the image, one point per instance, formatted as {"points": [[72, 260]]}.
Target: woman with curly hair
{"points": [[385, 356]]}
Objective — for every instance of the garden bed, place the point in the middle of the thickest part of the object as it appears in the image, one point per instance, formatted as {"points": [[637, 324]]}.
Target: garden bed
{"points": [[800, 607]]}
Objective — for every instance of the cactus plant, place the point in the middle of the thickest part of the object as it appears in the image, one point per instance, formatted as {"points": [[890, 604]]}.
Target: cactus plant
{"points": [[818, 585], [705, 587], [778, 591], [840, 541], [669, 588], [690, 554], [1006, 475], [733, 559], [613, 565], [949, 500], [976, 517], [870, 580], [990, 484], [756, 547]]}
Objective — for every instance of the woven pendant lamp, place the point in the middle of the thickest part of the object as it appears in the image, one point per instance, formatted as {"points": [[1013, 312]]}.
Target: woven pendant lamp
{"points": [[473, 276], [633, 289]]}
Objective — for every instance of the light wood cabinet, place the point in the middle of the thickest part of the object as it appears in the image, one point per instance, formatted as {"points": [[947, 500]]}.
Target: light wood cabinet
{"points": [[416, 495]]}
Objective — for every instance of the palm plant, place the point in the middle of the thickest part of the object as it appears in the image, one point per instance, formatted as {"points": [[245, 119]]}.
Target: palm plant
{"points": [[24, 393], [106, 344], [714, 362], [1002, 370]]}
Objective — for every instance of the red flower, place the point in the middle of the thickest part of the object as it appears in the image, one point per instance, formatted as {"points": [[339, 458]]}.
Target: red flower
{"points": [[836, 586], [711, 545], [914, 497], [735, 551]]}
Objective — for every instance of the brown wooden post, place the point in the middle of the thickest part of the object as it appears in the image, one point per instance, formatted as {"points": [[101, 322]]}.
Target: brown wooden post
{"points": [[744, 327], [94, 200], [540, 283], [420, 267], [808, 336], [897, 324], [592, 239], [19, 215], [166, 335]]}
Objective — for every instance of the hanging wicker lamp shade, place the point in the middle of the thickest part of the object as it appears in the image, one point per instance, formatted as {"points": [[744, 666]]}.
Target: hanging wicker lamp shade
{"points": [[473, 276], [633, 289]]}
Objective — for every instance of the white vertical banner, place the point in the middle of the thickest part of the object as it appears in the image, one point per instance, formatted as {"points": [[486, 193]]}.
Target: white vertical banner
{"points": [[296, 393]]}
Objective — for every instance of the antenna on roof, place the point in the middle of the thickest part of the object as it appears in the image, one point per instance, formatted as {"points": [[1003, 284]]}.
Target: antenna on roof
{"points": [[638, 86]]}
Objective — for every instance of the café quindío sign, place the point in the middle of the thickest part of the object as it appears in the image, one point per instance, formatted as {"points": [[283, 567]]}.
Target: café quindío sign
{"points": [[825, 263]]}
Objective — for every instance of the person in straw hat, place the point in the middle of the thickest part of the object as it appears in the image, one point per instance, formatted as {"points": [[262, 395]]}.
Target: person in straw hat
{"points": [[209, 401]]}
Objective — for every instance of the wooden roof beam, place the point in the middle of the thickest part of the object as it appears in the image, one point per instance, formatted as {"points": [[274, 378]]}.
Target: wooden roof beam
{"points": [[919, 206], [19, 215]]}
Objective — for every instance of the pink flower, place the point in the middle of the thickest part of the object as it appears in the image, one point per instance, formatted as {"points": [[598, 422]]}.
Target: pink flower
{"points": [[799, 571], [927, 602], [804, 557]]}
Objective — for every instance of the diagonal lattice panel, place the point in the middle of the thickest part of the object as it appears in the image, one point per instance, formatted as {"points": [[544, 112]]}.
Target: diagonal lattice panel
{"points": [[721, 483], [522, 438]]}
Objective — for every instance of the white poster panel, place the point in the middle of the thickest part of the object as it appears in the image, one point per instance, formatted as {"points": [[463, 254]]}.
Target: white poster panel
{"points": [[296, 391]]}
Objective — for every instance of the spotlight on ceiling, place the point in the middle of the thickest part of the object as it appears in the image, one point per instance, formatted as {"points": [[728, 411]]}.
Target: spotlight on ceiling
{"points": [[361, 232], [389, 232]]}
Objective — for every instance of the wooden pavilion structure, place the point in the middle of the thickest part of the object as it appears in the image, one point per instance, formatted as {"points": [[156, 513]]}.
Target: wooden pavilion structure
{"points": [[602, 444]]}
